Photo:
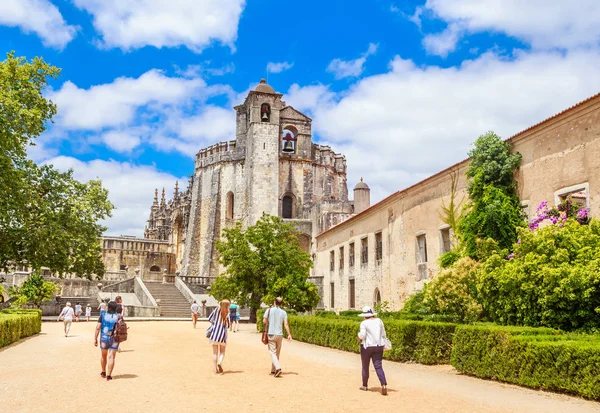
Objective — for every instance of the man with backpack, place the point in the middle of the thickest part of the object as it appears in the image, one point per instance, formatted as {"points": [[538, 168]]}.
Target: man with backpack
{"points": [[112, 331]]}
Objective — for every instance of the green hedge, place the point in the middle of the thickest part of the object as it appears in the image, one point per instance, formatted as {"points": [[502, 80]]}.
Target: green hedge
{"points": [[18, 324], [533, 357], [423, 342]]}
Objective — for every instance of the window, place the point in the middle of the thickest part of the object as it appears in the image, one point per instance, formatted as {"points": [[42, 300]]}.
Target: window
{"points": [[229, 211], [352, 295], [122, 267], [265, 112], [331, 295], [378, 248], [421, 249], [155, 268], [364, 251], [351, 255], [332, 260], [287, 206], [579, 195], [525, 210], [341, 258], [445, 241], [376, 298]]}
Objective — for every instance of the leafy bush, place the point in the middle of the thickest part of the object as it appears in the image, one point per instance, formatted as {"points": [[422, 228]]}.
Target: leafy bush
{"points": [[414, 304], [326, 314], [453, 292], [18, 324], [423, 342], [350, 313], [533, 357], [448, 259], [552, 279]]}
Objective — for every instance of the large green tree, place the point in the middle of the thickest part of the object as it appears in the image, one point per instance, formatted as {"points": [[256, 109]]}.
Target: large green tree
{"points": [[494, 209], [47, 218], [263, 262]]}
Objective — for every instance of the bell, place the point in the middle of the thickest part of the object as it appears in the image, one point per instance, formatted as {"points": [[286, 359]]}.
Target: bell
{"points": [[288, 147], [265, 116]]}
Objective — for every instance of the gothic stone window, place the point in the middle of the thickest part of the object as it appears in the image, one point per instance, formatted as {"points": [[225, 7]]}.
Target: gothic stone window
{"points": [[352, 295], [378, 248], [351, 255], [287, 206], [289, 140], [376, 298], [364, 251]]}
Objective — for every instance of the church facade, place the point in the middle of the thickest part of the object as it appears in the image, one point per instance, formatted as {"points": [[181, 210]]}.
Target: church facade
{"points": [[272, 166]]}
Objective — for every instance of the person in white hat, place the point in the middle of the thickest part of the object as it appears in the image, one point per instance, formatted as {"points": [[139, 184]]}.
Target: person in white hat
{"points": [[372, 335]]}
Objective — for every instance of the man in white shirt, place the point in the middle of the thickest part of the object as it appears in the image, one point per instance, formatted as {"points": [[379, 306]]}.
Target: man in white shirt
{"points": [[275, 317], [195, 308], [67, 315]]}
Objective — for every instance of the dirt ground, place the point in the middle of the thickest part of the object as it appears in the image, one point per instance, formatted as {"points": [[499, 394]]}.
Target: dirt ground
{"points": [[167, 367]]}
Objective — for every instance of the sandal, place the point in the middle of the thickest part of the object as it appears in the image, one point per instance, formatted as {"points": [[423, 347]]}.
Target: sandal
{"points": [[103, 374], [108, 378]]}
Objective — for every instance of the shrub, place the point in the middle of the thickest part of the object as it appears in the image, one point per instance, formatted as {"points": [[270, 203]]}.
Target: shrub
{"points": [[350, 313], [419, 341], [532, 357], [18, 324], [453, 292], [448, 259], [552, 279]]}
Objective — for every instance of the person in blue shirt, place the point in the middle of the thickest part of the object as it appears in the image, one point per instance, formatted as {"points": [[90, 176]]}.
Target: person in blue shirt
{"points": [[275, 317], [108, 346]]}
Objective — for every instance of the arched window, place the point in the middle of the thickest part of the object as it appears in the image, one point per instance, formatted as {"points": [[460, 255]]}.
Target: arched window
{"points": [[229, 210], [289, 139], [155, 268], [265, 112], [376, 298], [287, 206]]}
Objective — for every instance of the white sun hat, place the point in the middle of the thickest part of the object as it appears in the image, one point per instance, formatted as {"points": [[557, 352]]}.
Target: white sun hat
{"points": [[367, 312]]}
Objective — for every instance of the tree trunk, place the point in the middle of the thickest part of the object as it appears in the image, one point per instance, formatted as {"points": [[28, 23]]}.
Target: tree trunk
{"points": [[253, 315]]}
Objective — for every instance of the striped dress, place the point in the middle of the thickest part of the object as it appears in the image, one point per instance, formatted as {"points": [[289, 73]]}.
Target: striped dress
{"points": [[218, 334]]}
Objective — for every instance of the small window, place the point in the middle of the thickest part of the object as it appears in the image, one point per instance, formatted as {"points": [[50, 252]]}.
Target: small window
{"points": [[445, 242], [229, 212], [265, 112], [155, 268], [332, 260], [364, 251], [376, 298], [352, 295], [378, 248], [351, 255], [580, 195], [421, 249], [123, 267], [341, 258], [332, 295], [287, 205]]}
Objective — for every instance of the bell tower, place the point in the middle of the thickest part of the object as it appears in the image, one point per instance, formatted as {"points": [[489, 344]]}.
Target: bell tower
{"points": [[258, 126]]}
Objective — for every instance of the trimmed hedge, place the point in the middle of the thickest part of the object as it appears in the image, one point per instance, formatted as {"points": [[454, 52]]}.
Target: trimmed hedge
{"points": [[18, 324], [533, 357], [419, 341]]}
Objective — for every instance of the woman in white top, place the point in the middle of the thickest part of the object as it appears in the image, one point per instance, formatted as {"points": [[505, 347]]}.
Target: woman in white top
{"points": [[372, 335], [67, 314], [88, 312]]}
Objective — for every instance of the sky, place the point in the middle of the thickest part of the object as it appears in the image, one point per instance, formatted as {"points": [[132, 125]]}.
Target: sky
{"points": [[402, 88]]}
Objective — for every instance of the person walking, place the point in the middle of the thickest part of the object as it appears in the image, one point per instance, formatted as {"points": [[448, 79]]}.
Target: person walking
{"points": [[195, 308], [67, 314], [88, 312], [108, 346], [102, 306], [78, 311], [372, 335], [275, 317], [233, 321], [120, 310], [219, 319]]}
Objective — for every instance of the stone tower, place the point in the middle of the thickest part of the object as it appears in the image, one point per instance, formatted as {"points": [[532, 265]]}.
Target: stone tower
{"points": [[362, 197]]}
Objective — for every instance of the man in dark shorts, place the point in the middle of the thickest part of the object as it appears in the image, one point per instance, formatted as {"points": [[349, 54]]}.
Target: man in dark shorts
{"points": [[108, 346]]}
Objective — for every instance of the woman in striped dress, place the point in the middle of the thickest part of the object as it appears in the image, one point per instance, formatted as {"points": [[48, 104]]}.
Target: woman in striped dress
{"points": [[219, 319]]}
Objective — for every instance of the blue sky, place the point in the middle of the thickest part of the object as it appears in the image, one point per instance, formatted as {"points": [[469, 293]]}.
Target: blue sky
{"points": [[402, 88]]}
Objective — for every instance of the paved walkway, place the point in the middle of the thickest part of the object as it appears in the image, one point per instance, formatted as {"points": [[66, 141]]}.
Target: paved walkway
{"points": [[166, 367]]}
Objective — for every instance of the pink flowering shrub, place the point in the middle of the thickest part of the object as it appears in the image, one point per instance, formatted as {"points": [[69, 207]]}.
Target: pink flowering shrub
{"points": [[559, 214]]}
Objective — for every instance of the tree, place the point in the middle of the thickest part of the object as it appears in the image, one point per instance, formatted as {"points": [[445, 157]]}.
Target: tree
{"points": [[34, 290], [494, 210], [47, 218], [263, 262]]}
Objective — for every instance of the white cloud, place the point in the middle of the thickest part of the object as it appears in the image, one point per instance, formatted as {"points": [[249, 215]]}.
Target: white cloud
{"points": [[543, 24], [415, 121], [441, 44], [40, 17], [195, 24], [350, 68], [278, 67], [121, 141], [131, 189]]}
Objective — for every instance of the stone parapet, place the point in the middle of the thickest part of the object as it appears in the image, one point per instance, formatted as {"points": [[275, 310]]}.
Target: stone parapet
{"points": [[219, 152]]}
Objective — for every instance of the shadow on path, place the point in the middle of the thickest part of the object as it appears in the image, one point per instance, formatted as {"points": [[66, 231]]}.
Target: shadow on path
{"points": [[125, 376], [21, 341]]}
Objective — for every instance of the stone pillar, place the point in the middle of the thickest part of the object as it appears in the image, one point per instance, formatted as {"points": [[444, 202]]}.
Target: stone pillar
{"points": [[362, 197]]}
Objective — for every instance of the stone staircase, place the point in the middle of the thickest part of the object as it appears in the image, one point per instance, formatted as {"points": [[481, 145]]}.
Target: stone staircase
{"points": [[172, 302]]}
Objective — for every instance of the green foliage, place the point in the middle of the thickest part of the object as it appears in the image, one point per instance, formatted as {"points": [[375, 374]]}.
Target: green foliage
{"points": [[453, 292], [15, 325], [452, 212], [49, 219], [448, 259], [414, 304], [553, 279], [34, 290], [422, 342], [260, 314], [263, 262], [494, 210], [538, 358], [350, 313]]}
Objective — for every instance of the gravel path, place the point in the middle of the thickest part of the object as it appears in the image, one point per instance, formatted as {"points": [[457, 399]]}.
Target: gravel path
{"points": [[166, 367]]}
